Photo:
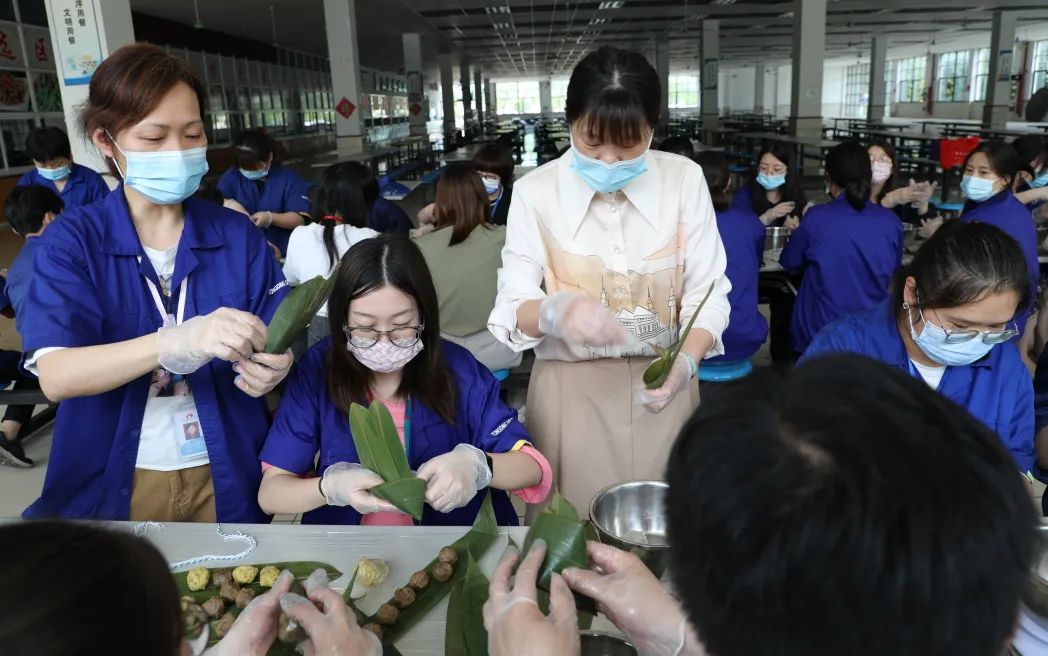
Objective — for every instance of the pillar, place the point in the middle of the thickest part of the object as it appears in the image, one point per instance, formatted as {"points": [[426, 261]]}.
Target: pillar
{"points": [[447, 92], [478, 91], [662, 67], [418, 106], [467, 94], [710, 74], [106, 27], [493, 103], [546, 98], [489, 100], [340, 20], [758, 88], [809, 43], [998, 105], [878, 66]]}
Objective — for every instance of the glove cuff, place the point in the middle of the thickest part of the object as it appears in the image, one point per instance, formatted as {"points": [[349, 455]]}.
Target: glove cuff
{"points": [[693, 366], [483, 472]]}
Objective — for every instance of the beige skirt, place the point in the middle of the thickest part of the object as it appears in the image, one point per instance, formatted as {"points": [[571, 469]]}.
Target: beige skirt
{"points": [[584, 417]]}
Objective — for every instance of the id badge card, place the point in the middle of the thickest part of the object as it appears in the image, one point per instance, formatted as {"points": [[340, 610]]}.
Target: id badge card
{"points": [[189, 433]]}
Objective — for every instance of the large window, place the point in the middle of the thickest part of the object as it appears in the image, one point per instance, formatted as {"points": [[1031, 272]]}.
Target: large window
{"points": [[1040, 66], [982, 74], [558, 94], [856, 90], [952, 80], [911, 80], [684, 91], [517, 98]]}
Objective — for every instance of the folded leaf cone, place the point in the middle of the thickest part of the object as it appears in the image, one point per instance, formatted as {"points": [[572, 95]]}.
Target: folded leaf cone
{"points": [[659, 370], [380, 450]]}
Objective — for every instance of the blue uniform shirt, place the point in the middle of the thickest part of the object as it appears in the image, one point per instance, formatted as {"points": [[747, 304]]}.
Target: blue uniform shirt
{"points": [[18, 277], [1004, 211], [386, 216], [83, 186], [280, 191], [309, 424], [743, 236], [848, 259], [996, 390], [88, 288]]}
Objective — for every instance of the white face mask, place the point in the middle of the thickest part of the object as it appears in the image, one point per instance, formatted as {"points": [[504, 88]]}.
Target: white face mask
{"points": [[881, 172], [385, 356]]}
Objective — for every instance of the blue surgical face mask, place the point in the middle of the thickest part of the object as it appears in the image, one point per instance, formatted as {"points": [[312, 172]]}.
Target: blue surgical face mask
{"points": [[60, 173], [1040, 180], [932, 341], [165, 177], [770, 182], [977, 189], [490, 186], [255, 175], [604, 177]]}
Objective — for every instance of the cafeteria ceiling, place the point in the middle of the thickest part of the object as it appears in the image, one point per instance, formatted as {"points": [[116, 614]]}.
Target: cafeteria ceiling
{"points": [[529, 38]]}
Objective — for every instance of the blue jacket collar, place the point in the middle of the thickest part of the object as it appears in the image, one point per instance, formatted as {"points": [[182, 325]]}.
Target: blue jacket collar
{"points": [[887, 333], [1000, 197], [120, 237]]}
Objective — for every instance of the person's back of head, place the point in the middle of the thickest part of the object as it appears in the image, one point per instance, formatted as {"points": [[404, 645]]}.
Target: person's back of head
{"points": [[462, 203], [495, 158], [30, 208], [849, 509], [209, 191], [848, 167], [73, 588], [365, 177], [678, 146], [1029, 148], [338, 199], [252, 149], [715, 168], [47, 144]]}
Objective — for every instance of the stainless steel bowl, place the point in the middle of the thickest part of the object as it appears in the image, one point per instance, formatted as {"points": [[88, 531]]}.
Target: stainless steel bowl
{"points": [[631, 516], [776, 238], [1036, 594], [595, 643]]}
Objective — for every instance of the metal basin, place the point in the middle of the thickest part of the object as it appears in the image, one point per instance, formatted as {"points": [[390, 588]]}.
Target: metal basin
{"points": [[1036, 594], [631, 516], [595, 643], [776, 238], [1042, 238]]}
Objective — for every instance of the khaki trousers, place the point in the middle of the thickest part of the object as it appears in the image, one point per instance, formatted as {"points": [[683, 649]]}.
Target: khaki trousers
{"points": [[183, 495]]}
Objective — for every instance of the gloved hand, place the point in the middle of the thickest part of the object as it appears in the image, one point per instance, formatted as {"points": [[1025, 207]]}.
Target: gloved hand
{"points": [[260, 373], [929, 227], [347, 484], [634, 600], [580, 319], [262, 219], [791, 223], [455, 477], [516, 626], [776, 212], [333, 629], [256, 627], [235, 206], [226, 333], [655, 400]]}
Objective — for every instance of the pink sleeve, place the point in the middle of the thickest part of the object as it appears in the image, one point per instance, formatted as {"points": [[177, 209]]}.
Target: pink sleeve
{"points": [[537, 493]]}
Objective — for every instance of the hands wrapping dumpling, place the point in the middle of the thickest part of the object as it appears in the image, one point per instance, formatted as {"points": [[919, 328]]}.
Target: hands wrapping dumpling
{"points": [[454, 478]]}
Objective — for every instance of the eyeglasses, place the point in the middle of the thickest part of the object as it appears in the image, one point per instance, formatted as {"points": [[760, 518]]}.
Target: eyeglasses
{"points": [[404, 337], [881, 160], [955, 336]]}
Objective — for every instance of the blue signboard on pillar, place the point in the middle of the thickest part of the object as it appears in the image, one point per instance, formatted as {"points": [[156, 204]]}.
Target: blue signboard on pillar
{"points": [[77, 39]]}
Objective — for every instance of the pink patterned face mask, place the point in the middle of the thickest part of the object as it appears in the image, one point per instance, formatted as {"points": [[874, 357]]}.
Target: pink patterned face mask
{"points": [[385, 357]]}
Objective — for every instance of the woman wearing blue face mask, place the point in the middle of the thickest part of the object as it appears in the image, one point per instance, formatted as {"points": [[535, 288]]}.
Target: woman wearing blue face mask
{"points": [[609, 251], [776, 192], [1031, 188], [951, 312], [146, 319], [55, 169], [276, 198], [989, 173]]}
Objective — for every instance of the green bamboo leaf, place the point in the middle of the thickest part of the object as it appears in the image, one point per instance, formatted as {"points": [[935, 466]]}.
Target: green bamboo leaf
{"points": [[562, 507], [565, 541], [380, 450], [465, 634], [659, 370], [296, 311], [383, 421], [476, 542], [364, 442], [407, 494], [299, 569]]}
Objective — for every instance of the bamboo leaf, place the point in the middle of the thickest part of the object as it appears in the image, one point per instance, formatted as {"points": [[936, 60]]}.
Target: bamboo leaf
{"points": [[476, 542], [367, 449], [296, 311], [380, 450], [565, 540], [407, 494], [659, 370], [383, 422], [465, 634], [562, 507]]}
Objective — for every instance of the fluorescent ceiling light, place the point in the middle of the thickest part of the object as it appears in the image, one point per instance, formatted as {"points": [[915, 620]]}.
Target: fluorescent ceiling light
{"points": [[614, 4]]}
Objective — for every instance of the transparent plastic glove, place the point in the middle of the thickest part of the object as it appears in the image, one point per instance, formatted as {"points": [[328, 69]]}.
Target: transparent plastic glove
{"points": [[655, 400], [580, 319], [791, 223], [260, 373], [226, 333], [327, 620], [634, 600], [256, 627], [516, 626], [235, 206], [262, 219], [347, 484], [776, 212], [929, 227], [454, 478]]}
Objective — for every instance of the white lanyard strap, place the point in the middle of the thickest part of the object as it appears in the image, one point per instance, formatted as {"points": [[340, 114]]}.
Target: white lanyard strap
{"points": [[160, 303]]}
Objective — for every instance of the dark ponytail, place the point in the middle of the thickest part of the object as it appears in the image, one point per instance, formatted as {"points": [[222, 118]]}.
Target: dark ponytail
{"points": [[338, 199], [848, 167], [715, 169]]}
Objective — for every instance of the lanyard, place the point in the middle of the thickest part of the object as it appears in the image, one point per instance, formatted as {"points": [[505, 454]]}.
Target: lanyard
{"points": [[162, 307]]}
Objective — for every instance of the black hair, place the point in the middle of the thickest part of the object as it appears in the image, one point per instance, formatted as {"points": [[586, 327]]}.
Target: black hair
{"points": [[495, 158], [715, 168], [1003, 159], [791, 191], [209, 191], [252, 148], [962, 263], [848, 509], [848, 167], [369, 265], [338, 198], [616, 94], [69, 585], [1030, 148], [48, 143], [678, 146], [367, 180], [26, 206], [892, 182]]}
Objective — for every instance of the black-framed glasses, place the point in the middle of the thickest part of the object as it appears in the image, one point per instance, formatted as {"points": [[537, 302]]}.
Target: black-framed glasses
{"points": [[404, 337], [957, 336]]}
